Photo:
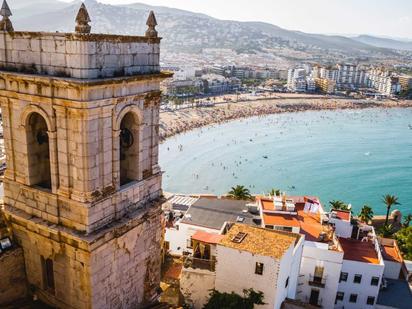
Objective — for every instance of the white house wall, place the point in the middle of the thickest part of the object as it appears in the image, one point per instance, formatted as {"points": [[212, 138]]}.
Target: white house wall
{"points": [[364, 289], [178, 237], [313, 256], [236, 276]]}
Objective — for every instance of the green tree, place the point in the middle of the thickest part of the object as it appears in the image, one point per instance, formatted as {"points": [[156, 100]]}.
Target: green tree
{"points": [[387, 230], [366, 214], [274, 192], [407, 220], [249, 299], [389, 201], [404, 239], [338, 205], [240, 193]]}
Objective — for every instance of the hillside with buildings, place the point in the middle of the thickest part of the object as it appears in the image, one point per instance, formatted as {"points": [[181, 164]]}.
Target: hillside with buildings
{"points": [[184, 31]]}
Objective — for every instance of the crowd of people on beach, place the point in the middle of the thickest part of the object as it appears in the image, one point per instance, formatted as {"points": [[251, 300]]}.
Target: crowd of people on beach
{"points": [[176, 122]]}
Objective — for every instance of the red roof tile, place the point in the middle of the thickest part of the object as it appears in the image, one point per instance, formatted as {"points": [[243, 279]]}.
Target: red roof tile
{"points": [[391, 253], [342, 214], [207, 237], [360, 251]]}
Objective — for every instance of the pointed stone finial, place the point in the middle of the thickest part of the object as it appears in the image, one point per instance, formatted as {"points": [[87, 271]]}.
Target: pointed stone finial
{"points": [[82, 20], [151, 24], [5, 23]]}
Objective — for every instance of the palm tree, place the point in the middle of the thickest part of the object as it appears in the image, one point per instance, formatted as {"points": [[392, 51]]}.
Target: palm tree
{"points": [[407, 220], [274, 192], [387, 230], [338, 205], [366, 214], [240, 193], [389, 201]]}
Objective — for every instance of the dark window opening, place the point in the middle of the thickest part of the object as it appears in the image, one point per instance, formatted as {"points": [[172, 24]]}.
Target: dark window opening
{"points": [[314, 297], [353, 298], [357, 279], [343, 277], [370, 300], [318, 275], [259, 268], [375, 281], [48, 274], [38, 152], [339, 296], [129, 149]]}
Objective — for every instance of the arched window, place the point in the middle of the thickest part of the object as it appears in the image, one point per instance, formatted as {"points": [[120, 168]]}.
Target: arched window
{"points": [[38, 151], [129, 149]]}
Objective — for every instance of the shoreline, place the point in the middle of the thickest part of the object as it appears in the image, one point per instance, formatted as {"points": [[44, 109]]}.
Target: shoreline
{"points": [[180, 121]]}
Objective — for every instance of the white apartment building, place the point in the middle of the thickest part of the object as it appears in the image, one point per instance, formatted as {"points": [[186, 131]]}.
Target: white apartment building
{"points": [[339, 263], [361, 274], [329, 72], [297, 80], [310, 84], [350, 76], [207, 214], [246, 258], [384, 82], [332, 248]]}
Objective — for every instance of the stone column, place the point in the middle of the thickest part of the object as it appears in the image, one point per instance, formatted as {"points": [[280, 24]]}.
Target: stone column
{"points": [[54, 169], [62, 151], [116, 158], [8, 139]]}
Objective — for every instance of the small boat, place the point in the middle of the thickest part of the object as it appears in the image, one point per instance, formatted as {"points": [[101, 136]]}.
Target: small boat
{"points": [[265, 157], [410, 127], [367, 154]]}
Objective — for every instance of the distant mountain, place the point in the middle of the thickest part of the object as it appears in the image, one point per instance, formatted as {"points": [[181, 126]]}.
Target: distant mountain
{"points": [[384, 42], [183, 30], [26, 8]]}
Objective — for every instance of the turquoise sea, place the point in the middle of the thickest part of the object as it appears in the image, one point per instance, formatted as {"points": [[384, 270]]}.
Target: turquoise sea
{"points": [[351, 155]]}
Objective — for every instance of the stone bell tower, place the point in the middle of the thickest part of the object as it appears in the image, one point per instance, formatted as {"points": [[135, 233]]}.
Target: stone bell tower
{"points": [[83, 185]]}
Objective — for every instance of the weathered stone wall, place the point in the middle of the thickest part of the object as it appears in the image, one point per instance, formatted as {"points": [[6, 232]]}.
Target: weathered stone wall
{"points": [[196, 285], [13, 283], [118, 267], [84, 148], [125, 272], [79, 56], [101, 235]]}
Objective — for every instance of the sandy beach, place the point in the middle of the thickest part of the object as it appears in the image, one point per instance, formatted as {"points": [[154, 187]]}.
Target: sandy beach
{"points": [[182, 120]]}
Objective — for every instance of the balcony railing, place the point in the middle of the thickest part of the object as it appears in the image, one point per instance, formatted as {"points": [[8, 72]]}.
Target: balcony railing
{"points": [[319, 282], [191, 262]]}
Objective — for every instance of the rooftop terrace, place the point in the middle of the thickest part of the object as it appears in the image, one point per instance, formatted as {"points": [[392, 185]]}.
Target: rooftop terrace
{"points": [[359, 251], [259, 241], [215, 212], [309, 223]]}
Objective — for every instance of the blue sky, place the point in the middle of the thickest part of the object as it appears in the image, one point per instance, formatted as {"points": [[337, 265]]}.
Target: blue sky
{"points": [[379, 17]]}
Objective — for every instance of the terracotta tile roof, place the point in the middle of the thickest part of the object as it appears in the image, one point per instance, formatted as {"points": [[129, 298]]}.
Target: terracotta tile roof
{"points": [[360, 251], [342, 214], [207, 237], [309, 223], [260, 241], [391, 253]]}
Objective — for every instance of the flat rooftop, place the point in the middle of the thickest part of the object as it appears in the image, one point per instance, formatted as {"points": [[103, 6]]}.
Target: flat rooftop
{"points": [[260, 241], [391, 253], [359, 251], [396, 295], [214, 212], [208, 238], [310, 223], [342, 214]]}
